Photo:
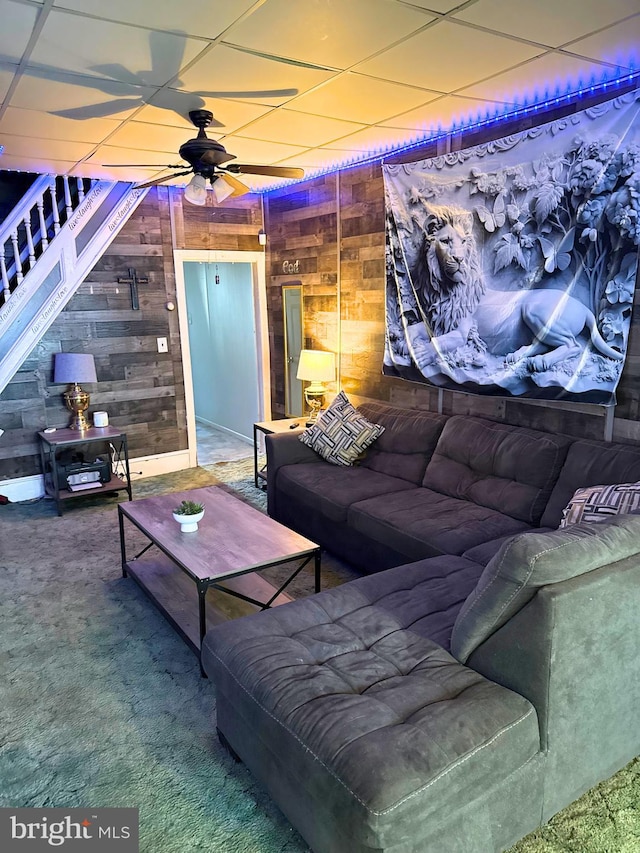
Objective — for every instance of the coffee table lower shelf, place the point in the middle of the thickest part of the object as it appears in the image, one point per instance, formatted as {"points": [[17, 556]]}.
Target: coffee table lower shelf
{"points": [[175, 594]]}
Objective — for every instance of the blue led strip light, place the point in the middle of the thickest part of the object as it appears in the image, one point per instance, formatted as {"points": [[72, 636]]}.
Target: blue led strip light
{"points": [[463, 127]]}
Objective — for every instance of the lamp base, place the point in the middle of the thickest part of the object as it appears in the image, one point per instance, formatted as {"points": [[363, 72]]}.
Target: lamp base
{"points": [[77, 401], [315, 400]]}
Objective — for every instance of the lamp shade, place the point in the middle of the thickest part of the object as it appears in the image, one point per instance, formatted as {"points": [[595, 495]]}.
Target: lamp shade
{"points": [[196, 190], [221, 189], [316, 366], [76, 367]]}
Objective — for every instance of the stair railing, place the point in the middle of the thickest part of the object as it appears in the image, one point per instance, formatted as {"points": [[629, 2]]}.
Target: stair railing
{"points": [[26, 233]]}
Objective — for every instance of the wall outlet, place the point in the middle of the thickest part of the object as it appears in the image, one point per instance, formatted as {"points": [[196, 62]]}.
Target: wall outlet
{"points": [[163, 346]]}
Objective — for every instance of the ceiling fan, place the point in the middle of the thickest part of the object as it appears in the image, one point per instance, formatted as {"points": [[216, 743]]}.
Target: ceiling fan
{"points": [[207, 161]]}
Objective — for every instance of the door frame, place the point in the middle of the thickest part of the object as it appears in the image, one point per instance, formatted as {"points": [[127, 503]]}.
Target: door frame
{"points": [[259, 279]]}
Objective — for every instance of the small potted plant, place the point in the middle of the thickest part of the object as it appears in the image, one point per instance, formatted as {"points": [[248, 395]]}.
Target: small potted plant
{"points": [[188, 514]]}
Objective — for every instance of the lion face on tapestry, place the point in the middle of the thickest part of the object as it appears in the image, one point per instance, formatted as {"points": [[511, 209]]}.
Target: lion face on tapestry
{"points": [[448, 279]]}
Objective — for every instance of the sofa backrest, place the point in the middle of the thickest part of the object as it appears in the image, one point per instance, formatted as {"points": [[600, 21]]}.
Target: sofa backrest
{"points": [[407, 444], [529, 561], [591, 463], [507, 468]]}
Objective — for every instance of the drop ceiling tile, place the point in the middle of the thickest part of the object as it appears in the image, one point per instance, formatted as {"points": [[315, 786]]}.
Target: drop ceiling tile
{"points": [[108, 155], [303, 129], [363, 99], [50, 149], [226, 69], [85, 97], [548, 76], [6, 78], [91, 170], [231, 114], [112, 51], [192, 16], [619, 45], [258, 151], [318, 158], [334, 34], [444, 113], [139, 135], [44, 125], [446, 57], [547, 21], [441, 6], [38, 165], [17, 25], [373, 140]]}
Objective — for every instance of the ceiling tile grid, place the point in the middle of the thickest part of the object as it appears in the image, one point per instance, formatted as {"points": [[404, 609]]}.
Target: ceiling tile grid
{"points": [[313, 84]]}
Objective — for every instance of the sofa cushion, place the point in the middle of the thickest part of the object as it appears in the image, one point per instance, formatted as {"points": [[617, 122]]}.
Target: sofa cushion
{"points": [[341, 434], [423, 523], [596, 503], [407, 444], [529, 561], [330, 490], [495, 465], [377, 721], [591, 463], [487, 550]]}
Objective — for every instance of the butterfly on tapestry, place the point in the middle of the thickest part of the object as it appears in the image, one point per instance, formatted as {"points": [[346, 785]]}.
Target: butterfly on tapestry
{"points": [[511, 266]]}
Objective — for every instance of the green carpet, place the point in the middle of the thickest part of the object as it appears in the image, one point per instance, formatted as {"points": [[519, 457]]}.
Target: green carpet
{"points": [[103, 704]]}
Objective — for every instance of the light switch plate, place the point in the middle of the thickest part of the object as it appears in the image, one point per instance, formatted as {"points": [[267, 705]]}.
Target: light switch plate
{"points": [[163, 346]]}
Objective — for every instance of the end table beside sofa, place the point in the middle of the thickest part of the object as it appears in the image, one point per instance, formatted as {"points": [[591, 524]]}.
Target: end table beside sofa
{"points": [[459, 699]]}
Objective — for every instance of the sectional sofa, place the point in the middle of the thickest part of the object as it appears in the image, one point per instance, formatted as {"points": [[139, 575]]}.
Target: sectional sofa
{"points": [[482, 676]]}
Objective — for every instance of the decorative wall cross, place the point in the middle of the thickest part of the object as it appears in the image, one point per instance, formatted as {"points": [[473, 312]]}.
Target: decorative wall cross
{"points": [[133, 281]]}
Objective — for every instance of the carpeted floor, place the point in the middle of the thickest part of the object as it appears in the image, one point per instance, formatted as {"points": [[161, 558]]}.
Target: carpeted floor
{"points": [[102, 704]]}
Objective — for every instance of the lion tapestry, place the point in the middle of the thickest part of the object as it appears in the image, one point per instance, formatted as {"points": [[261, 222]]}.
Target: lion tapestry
{"points": [[511, 266]]}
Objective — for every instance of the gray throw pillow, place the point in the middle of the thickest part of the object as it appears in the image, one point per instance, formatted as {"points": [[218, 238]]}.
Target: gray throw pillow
{"points": [[341, 434], [531, 560], [594, 503]]}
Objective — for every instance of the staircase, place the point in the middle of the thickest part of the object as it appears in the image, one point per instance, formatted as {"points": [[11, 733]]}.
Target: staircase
{"points": [[48, 245]]}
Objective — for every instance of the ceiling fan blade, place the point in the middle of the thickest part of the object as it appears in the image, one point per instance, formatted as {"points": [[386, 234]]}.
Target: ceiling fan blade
{"points": [[273, 171], [238, 187], [161, 180]]}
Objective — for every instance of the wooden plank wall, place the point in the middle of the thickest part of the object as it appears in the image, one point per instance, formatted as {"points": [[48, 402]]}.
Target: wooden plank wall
{"points": [[302, 247], [141, 389]]}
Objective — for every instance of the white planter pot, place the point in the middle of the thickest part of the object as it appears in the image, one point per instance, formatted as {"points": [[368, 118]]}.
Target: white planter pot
{"points": [[188, 523]]}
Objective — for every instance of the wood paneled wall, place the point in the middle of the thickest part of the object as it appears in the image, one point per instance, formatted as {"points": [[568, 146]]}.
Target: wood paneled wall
{"points": [[141, 389]]}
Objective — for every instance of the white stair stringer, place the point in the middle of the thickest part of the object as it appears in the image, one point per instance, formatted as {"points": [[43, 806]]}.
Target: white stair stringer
{"points": [[61, 269]]}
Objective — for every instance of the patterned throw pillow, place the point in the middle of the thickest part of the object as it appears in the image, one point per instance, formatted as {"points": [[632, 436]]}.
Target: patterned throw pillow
{"points": [[341, 434], [596, 503]]}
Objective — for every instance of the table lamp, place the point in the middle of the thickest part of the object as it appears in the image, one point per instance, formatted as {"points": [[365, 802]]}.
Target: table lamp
{"points": [[73, 368], [316, 367]]}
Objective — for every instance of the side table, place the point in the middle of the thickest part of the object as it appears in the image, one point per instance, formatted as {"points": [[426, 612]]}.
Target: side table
{"points": [[55, 483], [266, 428]]}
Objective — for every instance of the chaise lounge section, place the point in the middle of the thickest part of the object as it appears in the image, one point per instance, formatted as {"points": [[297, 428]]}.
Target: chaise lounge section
{"points": [[456, 702]]}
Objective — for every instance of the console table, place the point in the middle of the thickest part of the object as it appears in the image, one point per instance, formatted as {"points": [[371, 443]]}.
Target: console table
{"points": [[51, 445]]}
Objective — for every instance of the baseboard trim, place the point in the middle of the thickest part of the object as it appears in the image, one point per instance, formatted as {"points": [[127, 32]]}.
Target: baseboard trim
{"points": [[29, 488]]}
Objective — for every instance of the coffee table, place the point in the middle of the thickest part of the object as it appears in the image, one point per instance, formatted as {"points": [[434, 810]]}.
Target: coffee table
{"points": [[233, 543]]}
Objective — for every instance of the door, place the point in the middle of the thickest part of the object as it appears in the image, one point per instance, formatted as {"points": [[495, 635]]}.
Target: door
{"points": [[293, 388], [223, 345]]}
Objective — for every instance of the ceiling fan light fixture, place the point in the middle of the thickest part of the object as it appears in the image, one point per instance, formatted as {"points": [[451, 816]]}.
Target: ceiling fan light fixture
{"points": [[221, 189], [196, 190]]}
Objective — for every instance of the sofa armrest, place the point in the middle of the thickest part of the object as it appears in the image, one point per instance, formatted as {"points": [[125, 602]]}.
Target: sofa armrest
{"points": [[284, 448]]}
